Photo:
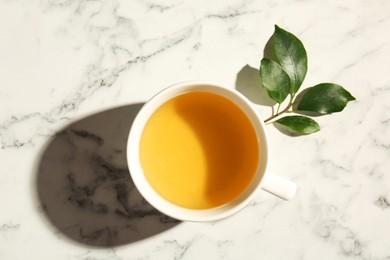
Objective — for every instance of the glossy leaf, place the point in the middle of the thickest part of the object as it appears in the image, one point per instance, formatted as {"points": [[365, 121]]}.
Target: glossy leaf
{"points": [[275, 80], [291, 55], [324, 98], [299, 124]]}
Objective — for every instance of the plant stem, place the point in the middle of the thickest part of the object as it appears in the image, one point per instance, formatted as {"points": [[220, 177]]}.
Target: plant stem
{"points": [[278, 108], [290, 103]]}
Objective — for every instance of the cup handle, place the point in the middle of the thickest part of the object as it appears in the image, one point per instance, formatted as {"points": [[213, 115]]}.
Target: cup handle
{"points": [[279, 186]]}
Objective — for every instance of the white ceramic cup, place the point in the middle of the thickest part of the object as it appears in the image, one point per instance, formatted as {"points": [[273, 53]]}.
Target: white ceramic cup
{"points": [[263, 179]]}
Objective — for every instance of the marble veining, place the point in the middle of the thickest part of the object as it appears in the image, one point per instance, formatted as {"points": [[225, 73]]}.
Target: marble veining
{"points": [[74, 74]]}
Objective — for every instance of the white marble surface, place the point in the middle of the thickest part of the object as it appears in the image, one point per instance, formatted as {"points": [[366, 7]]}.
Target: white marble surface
{"points": [[74, 73]]}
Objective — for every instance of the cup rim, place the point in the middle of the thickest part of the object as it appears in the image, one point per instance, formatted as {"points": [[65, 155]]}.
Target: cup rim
{"points": [[167, 207]]}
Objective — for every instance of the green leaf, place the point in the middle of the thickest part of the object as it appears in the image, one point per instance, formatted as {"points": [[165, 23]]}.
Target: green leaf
{"points": [[275, 80], [291, 55], [299, 124], [324, 98]]}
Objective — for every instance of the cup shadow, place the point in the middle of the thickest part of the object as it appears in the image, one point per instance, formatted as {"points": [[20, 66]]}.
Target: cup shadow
{"points": [[84, 186]]}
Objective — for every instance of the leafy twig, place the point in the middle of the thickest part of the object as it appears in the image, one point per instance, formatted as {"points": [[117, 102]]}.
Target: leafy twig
{"points": [[284, 77]]}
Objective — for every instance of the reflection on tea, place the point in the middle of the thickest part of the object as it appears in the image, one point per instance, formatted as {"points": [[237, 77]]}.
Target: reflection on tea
{"points": [[199, 150]]}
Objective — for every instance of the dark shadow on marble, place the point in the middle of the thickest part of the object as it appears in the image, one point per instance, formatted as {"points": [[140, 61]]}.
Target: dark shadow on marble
{"points": [[248, 80], [84, 185], [249, 84]]}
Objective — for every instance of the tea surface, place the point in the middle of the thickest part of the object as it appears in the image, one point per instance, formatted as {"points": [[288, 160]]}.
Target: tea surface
{"points": [[199, 150]]}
